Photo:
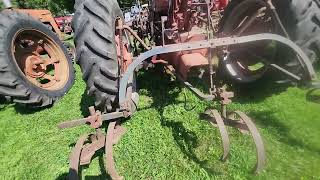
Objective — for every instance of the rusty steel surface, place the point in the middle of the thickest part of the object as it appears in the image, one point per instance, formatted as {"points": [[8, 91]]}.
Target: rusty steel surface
{"points": [[110, 165], [88, 120], [40, 59], [216, 118], [87, 146], [261, 154], [97, 142], [74, 161]]}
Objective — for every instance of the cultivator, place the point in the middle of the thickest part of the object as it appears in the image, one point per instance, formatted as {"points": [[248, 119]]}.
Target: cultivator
{"points": [[179, 52]]}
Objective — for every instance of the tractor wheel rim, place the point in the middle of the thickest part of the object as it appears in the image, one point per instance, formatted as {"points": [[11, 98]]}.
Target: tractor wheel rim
{"points": [[40, 59]]}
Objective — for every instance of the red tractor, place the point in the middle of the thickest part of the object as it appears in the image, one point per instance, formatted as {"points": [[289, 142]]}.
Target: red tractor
{"points": [[64, 23], [217, 40]]}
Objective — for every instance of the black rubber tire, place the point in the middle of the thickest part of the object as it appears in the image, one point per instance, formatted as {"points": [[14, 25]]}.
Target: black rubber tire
{"points": [[94, 27], [13, 82], [302, 21], [234, 15]]}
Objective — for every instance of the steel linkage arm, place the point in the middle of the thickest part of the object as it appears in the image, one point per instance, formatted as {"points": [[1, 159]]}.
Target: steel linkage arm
{"points": [[213, 43]]}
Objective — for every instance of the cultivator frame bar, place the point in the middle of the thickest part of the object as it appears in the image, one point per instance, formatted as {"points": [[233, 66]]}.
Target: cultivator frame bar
{"points": [[83, 153]]}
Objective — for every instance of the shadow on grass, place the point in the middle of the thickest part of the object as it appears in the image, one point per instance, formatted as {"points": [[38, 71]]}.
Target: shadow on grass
{"points": [[26, 110], [3, 103], [258, 91], [313, 95], [165, 92], [86, 102], [268, 120], [99, 154]]}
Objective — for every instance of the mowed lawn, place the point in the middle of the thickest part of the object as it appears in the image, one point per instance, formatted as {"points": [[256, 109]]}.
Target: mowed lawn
{"points": [[167, 140]]}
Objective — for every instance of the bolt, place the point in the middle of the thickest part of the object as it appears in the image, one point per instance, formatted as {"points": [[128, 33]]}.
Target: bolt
{"points": [[40, 41]]}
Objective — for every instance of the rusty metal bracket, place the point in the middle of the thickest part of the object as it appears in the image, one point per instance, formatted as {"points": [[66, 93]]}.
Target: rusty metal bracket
{"points": [[95, 119], [88, 145], [97, 142]]}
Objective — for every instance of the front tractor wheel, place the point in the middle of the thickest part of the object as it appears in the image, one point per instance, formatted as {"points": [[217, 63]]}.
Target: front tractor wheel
{"points": [[35, 68]]}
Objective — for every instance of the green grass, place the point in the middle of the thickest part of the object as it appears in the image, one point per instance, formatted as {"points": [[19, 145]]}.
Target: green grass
{"points": [[166, 141]]}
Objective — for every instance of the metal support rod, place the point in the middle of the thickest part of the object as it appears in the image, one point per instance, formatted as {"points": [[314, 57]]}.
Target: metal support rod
{"points": [[211, 72], [276, 16], [136, 36], [104, 117], [224, 110], [194, 90], [120, 25], [250, 21], [286, 72]]}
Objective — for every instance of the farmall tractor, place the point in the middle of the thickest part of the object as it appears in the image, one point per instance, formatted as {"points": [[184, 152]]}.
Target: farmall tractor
{"points": [[35, 67]]}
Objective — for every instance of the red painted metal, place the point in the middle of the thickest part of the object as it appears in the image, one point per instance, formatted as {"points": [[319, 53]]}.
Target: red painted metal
{"points": [[185, 23]]}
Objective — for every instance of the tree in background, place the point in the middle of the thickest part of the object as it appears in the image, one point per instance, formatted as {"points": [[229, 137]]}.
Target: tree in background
{"points": [[57, 7], [61, 7]]}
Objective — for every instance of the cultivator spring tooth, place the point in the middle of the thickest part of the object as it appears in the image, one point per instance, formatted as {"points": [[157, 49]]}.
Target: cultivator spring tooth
{"points": [[110, 166], [245, 125], [88, 145], [75, 158], [217, 118], [261, 154]]}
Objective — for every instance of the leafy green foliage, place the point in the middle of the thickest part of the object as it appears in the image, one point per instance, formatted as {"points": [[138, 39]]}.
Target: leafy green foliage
{"points": [[57, 7], [60, 7]]}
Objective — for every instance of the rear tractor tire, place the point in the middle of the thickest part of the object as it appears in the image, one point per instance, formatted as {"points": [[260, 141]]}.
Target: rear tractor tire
{"points": [[301, 20], [35, 68], [94, 25]]}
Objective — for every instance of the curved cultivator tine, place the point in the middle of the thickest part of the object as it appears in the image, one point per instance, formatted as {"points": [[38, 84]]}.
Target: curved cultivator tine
{"points": [[75, 158], [223, 131], [109, 152], [261, 155]]}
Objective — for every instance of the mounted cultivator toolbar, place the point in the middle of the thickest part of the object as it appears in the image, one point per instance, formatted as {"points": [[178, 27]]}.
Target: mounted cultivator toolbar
{"points": [[186, 38]]}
